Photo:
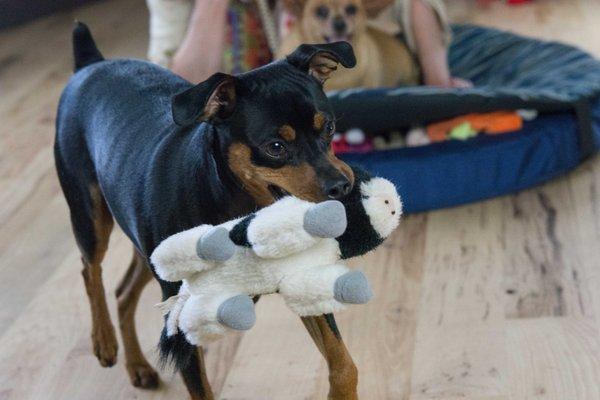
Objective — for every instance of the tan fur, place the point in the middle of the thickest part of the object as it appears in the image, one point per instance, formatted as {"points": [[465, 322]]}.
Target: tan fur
{"points": [[343, 374], [300, 181], [287, 133], [319, 121], [222, 99], [128, 293], [103, 333], [382, 59], [322, 66], [341, 166]]}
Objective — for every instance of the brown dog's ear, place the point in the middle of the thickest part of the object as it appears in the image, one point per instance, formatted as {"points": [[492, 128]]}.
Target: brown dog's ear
{"points": [[295, 7], [374, 7], [321, 60], [213, 98]]}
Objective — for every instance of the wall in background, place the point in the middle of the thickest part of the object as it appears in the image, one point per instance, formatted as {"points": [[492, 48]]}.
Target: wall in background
{"points": [[13, 12]]}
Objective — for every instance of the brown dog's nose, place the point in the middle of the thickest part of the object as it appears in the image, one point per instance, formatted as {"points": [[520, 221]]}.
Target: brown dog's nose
{"points": [[338, 188], [339, 25]]}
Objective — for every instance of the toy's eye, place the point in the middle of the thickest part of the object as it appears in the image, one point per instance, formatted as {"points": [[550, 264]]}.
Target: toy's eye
{"points": [[329, 129], [276, 149], [351, 9], [322, 12]]}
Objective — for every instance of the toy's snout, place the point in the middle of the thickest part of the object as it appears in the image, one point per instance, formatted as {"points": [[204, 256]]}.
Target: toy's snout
{"points": [[382, 204]]}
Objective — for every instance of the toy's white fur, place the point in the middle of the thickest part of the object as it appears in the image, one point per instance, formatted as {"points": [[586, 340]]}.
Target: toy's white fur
{"points": [[380, 200], [284, 258], [277, 230]]}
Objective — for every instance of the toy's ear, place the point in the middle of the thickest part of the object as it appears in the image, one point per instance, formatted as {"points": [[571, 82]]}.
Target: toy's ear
{"points": [[213, 98], [321, 60]]}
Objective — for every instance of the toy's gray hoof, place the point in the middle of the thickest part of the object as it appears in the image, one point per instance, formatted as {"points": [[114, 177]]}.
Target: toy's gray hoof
{"points": [[353, 288], [237, 313], [216, 245], [326, 219]]}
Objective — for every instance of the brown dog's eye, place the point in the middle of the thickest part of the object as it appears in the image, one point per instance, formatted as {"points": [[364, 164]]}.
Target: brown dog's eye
{"points": [[351, 9], [276, 149], [322, 12]]}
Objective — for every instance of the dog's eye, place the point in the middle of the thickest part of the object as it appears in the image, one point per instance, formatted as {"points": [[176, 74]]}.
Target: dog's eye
{"points": [[276, 149], [351, 9], [329, 129], [322, 12]]}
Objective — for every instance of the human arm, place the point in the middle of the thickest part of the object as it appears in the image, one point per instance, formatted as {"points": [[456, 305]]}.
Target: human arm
{"points": [[430, 35], [201, 52]]}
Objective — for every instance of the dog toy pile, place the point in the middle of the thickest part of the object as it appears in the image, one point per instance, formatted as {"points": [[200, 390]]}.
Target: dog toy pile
{"points": [[467, 126], [291, 247]]}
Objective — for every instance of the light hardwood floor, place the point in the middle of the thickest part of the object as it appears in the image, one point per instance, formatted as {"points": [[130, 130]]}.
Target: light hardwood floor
{"points": [[496, 300]]}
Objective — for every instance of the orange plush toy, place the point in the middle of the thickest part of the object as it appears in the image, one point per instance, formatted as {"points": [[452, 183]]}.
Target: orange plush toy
{"points": [[492, 123]]}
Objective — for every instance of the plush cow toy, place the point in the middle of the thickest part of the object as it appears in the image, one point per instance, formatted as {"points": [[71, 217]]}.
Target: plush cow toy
{"points": [[291, 247]]}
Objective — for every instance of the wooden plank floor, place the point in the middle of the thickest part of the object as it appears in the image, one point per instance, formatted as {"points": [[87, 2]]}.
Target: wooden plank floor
{"points": [[496, 300]]}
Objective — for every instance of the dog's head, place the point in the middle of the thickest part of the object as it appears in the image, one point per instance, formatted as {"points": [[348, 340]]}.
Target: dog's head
{"points": [[274, 125], [325, 21]]}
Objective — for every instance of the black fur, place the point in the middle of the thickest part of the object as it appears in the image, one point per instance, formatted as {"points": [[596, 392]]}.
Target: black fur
{"points": [[117, 129], [359, 237], [341, 51], [333, 326], [187, 107], [85, 51], [239, 233]]}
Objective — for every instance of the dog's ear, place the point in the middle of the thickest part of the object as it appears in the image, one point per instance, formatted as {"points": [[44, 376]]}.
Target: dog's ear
{"points": [[213, 98], [321, 60], [295, 7]]}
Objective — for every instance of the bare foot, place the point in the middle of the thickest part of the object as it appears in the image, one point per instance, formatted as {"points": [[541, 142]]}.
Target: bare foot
{"points": [[460, 83], [450, 82]]}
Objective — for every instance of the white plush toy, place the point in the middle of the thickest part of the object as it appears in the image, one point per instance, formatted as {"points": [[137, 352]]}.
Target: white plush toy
{"points": [[291, 247]]}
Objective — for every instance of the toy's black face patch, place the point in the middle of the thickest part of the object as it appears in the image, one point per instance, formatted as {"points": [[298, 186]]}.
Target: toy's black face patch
{"points": [[280, 137]]}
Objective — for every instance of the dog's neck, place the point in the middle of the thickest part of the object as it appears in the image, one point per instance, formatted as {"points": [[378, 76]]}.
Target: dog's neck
{"points": [[213, 172]]}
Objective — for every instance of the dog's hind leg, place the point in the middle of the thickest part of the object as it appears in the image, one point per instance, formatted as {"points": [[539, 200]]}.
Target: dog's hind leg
{"points": [[103, 331], [92, 225], [128, 293]]}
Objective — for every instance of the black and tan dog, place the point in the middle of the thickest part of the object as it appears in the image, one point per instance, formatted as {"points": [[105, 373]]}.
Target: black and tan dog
{"points": [[141, 146]]}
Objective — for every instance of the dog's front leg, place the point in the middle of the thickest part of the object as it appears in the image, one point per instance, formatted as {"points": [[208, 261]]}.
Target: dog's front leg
{"points": [[343, 375], [194, 377]]}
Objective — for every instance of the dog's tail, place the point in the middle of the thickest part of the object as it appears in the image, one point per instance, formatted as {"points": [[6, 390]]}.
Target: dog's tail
{"points": [[84, 47]]}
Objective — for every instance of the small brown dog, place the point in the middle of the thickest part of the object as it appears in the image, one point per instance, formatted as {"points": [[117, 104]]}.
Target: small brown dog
{"points": [[382, 59]]}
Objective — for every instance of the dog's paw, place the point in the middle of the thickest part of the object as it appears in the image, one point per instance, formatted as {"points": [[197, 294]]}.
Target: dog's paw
{"points": [[143, 376], [326, 219], [352, 287], [105, 346], [215, 245]]}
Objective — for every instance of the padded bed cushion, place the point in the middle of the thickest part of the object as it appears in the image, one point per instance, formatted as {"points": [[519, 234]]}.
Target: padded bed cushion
{"points": [[509, 72]]}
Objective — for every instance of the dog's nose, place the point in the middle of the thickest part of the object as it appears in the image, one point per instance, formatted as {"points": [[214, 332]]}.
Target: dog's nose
{"points": [[339, 25], [336, 189]]}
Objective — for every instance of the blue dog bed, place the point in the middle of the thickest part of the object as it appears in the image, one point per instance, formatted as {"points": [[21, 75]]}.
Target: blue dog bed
{"points": [[510, 72]]}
